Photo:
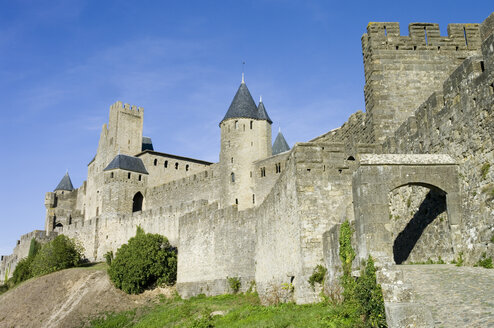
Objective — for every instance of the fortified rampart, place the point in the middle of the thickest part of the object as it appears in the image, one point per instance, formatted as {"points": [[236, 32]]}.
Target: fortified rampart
{"points": [[412, 174]]}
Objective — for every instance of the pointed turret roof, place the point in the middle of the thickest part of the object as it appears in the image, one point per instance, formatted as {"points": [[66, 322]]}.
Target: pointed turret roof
{"points": [[128, 163], [242, 106], [147, 144], [280, 145], [261, 112], [65, 183]]}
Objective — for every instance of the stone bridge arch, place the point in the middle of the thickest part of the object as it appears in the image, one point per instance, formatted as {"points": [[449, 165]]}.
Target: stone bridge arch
{"points": [[378, 175]]}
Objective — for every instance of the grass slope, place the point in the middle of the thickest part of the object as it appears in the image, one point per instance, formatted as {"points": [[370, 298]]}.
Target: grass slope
{"points": [[242, 310]]}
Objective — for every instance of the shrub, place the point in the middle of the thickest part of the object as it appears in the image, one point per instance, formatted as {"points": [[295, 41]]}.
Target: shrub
{"points": [[317, 275], [459, 261], [484, 262], [109, 257], [34, 248], [22, 271], [234, 283], [60, 253], [146, 260]]}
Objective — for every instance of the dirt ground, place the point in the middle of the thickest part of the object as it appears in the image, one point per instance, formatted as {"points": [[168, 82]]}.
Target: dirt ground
{"points": [[68, 298]]}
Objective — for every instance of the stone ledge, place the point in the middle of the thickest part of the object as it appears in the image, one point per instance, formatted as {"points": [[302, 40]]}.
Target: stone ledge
{"points": [[406, 159]]}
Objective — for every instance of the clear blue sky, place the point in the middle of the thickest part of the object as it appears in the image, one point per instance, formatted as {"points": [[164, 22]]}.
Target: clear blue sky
{"points": [[63, 63]]}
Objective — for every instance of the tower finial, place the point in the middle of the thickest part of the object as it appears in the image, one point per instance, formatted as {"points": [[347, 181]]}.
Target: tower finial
{"points": [[260, 99], [243, 65]]}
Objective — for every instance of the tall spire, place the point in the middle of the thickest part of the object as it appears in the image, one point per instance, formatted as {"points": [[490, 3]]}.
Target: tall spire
{"points": [[280, 145], [65, 183], [262, 114]]}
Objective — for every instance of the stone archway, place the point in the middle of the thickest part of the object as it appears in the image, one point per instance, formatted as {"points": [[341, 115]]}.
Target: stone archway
{"points": [[137, 202], [377, 176], [419, 224]]}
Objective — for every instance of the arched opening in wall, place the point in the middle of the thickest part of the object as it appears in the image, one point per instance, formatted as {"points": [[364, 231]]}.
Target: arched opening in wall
{"points": [[187, 167], [155, 162], [137, 202], [232, 176], [54, 221], [166, 164], [350, 158], [58, 227], [419, 223], [176, 166], [70, 219]]}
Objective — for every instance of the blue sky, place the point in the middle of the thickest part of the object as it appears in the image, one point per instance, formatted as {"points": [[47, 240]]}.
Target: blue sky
{"points": [[63, 63]]}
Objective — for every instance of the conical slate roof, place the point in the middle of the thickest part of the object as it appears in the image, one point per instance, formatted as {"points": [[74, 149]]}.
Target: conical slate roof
{"points": [[280, 145], [262, 114], [65, 183], [128, 163], [147, 144], [242, 106]]}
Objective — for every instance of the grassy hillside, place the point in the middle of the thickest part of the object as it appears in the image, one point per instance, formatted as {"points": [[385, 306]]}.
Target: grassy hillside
{"points": [[243, 310]]}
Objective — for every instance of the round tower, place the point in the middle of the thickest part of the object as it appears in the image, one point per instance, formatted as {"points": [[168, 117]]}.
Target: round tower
{"points": [[245, 138]]}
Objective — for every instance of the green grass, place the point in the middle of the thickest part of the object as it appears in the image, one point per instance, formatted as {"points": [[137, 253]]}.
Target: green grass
{"points": [[241, 310]]}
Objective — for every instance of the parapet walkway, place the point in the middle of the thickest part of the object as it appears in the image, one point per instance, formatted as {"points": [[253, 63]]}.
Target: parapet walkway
{"points": [[455, 296]]}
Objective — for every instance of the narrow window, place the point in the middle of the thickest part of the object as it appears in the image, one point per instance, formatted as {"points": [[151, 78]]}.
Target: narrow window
{"points": [[128, 175], [425, 35], [465, 35], [155, 162], [414, 48], [243, 125], [251, 122], [482, 67], [253, 198], [166, 164], [251, 174], [140, 177], [236, 201], [263, 171], [111, 175], [187, 167], [492, 88], [176, 166], [233, 177], [236, 125], [128, 142], [70, 219], [397, 47], [385, 31], [231, 159]]}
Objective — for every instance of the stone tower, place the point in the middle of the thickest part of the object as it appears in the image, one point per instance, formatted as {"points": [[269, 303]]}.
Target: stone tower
{"points": [[245, 138]]}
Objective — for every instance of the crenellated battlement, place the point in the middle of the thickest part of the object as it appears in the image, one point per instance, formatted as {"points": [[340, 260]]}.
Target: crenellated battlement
{"points": [[421, 36], [127, 108]]}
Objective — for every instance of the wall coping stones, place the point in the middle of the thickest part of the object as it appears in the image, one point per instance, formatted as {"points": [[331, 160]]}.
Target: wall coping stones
{"points": [[406, 159]]}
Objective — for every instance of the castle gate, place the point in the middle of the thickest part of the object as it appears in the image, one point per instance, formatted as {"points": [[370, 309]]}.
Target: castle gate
{"points": [[425, 187]]}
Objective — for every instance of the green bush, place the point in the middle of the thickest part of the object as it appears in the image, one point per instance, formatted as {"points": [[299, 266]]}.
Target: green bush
{"points": [[34, 248], [234, 283], [146, 260], [109, 257], [60, 253], [317, 275], [22, 271], [484, 262]]}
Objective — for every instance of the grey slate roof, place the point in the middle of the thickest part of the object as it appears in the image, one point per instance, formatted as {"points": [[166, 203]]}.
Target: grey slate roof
{"points": [[280, 145], [243, 106], [65, 183], [147, 144], [262, 114], [128, 163]]}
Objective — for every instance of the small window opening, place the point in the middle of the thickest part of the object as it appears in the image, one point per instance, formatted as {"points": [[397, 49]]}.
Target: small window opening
{"points": [[482, 67], [128, 142], [243, 125], [231, 160], [385, 31], [465, 35], [492, 88], [308, 170], [70, 219], [253, 198], [414, 47], [397, 47], [155, 162], [263, 172], [278, 167], [187, 167], [140, 177], [425, 35], [232, 177], [351, 158], [166, 164], [324, 168], [438, 48], [236, 125], [18, 242], [236, 201], [457, 48], [340, 170], [292, 278], [251, 122], [176, 166], [251, 174], [111, 175], [128, 175]]}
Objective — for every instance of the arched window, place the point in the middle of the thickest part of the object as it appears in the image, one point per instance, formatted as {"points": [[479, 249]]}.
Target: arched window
{"points": [[137, 202], [166, 164], [128, 175], [233, 177], [155, 162], [187, 167], [351, 158], [70, 219], [251, 122], [236, 125], [176, 166], [111, 175]]}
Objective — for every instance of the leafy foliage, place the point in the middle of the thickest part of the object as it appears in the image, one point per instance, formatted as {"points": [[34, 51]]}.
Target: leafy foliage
{"points": [[34, 248], [484, 262], [60, 253], [484, 170], [22, 271], [234, 283], [363, 295], [317, 275], [109, 257], [146, 260]]}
